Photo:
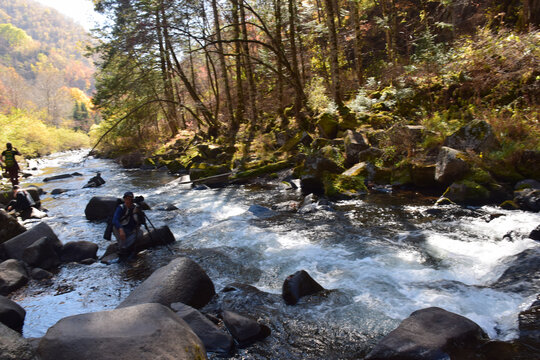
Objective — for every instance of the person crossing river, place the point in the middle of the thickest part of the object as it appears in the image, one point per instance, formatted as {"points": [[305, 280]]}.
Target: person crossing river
{"points": [[10, 163], [127, 220]]}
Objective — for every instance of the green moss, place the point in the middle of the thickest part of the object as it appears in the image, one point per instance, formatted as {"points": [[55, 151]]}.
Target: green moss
{"points": [[332, 153], [480, 176], [302, 137], [509, 205], [468, 192], [328, 126], [264, 169], [342, 185], [203, 170]]}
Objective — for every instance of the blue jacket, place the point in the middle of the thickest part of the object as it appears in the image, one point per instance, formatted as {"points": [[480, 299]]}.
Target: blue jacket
{"points": [[127, 219]]}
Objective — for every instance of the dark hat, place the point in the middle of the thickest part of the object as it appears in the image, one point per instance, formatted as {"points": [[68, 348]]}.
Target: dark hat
{"points": [[128, 194]]}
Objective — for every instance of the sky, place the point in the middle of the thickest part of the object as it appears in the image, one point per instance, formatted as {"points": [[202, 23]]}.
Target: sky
{"points": [[81, 11]]}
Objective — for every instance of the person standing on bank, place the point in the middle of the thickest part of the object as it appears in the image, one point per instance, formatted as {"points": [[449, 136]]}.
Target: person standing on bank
{"points": [[127, 220], [10, 163]]}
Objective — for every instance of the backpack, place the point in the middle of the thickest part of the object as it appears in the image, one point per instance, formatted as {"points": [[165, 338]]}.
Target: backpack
{"points": [[9, 158]]}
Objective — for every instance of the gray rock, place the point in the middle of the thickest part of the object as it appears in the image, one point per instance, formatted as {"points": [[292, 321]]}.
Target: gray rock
{"points": [[182, 280], [9, 226], [14, 248], [11, 314], [214, 339], [245, 330], [477, 136], [43, 253], [535, 234], [430, 334], [146, 331], [101, 207], [14, 347], [40, 274], [355, 142], [76, 251], [523, 273], [298, 285], [529, 325], [528, 199], [13, 276], [450, 166], [59, 191]]}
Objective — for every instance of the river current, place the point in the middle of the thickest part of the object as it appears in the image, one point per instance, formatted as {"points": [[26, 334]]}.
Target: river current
{"points": [[387, 255]]}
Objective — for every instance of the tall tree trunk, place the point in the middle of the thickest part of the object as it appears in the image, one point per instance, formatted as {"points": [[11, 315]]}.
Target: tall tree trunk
{"points": [[279, 40], [334, 61], [240, 103], [168, 90], [292, 39], [222, 63], [358, 43], [249, 69]]}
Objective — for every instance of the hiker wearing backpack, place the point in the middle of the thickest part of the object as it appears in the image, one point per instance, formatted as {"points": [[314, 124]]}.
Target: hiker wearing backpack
{"points": [[10, 163], [127, 220]]}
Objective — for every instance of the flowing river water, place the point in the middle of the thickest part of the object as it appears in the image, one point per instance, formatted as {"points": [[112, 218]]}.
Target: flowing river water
{"points": [[386, 255]]}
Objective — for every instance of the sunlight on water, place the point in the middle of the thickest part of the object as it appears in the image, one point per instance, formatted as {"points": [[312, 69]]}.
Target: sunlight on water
{"points": [[384, 257]]}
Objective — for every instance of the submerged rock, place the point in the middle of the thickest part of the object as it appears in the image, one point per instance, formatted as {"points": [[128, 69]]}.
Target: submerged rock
{"points": [[529, 325], [430, 334], [146, 331], [523, 274]]}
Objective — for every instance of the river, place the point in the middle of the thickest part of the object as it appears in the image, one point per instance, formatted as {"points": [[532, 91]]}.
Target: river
{"points": [[386, 255]]}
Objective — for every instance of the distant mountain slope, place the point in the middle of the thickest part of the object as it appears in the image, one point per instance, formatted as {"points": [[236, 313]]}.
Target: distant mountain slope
{"points": [[60, 39]]}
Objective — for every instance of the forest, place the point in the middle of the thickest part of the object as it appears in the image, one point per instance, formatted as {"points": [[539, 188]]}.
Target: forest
{"points": [[46, 81], [230, 68]]}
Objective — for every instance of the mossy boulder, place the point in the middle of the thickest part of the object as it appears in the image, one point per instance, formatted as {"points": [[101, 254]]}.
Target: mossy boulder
{"points": [[467, 192], [354, 142], [380, 120], [362, 169], [328, 159], [503, 171], [263, 169], [451, 165], [528, 164], [204, 170], [328, 126], [300, 138], [343, 186], [509, 205], [477, 136]]}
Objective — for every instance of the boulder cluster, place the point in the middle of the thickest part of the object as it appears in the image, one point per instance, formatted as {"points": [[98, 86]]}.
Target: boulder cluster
{"points": [[343, 162]]}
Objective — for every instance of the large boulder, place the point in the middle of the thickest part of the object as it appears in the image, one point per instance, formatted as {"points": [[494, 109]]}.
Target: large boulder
{"points": [[101, 207], [14, 347], [245, 330], [13, 276], [535, 233], [450, 166], [477, 136], [529, 325], [9, 226], [355, 142], [522, 274], [75, 251], [44, 253], [214, 339], [467, 192], [156, 237], [430, 334], [11, 314], [146, 331], [182, 280], [528, 199], [298, 285], [14, 248], [528, 164]]}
